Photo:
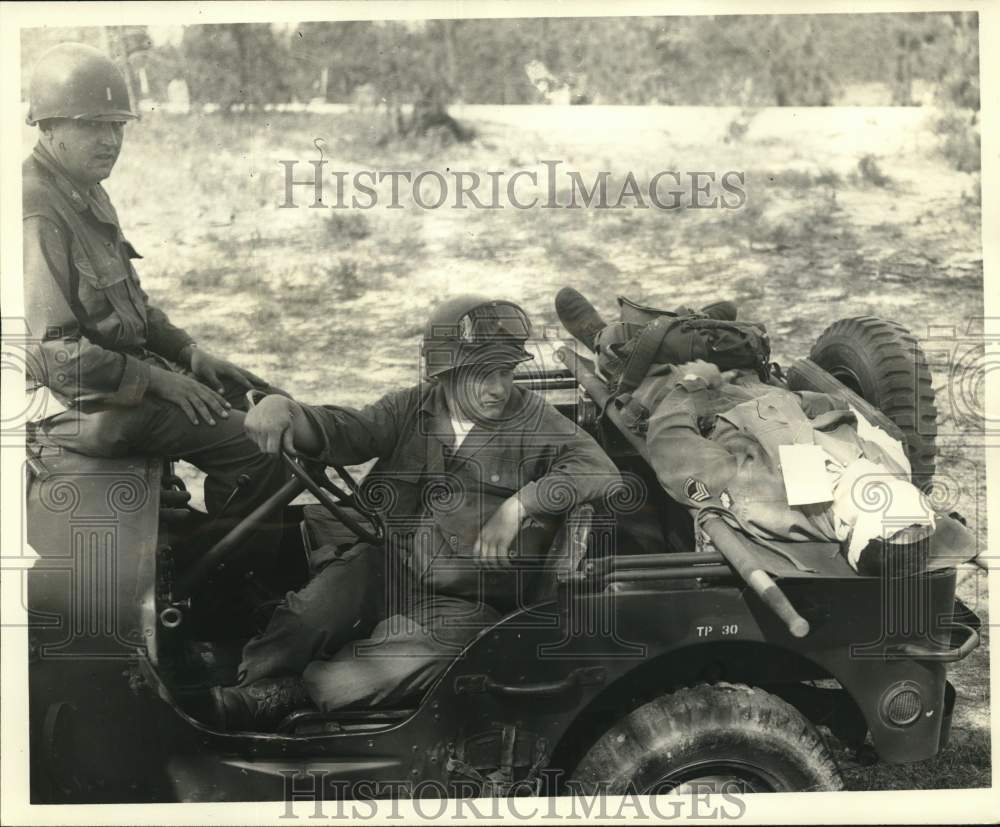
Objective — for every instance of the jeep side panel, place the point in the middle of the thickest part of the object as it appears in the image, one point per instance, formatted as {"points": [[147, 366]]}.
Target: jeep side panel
{"points": [[93, 524]]}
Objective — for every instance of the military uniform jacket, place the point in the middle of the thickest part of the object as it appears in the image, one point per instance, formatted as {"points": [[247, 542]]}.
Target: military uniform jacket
{"points": [[434, 501], [94, 330]]}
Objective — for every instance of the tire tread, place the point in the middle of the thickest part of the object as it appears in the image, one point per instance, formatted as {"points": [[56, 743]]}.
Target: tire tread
{"points": [[687, 712], [899, 370]]}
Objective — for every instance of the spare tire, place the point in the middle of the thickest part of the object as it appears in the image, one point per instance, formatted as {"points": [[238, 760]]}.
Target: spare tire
{"points": [[882, 362], [719, 738]]}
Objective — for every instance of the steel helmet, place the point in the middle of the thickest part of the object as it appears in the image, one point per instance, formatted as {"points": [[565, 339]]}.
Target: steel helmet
{"points": [[73, 80], [474, 330]]}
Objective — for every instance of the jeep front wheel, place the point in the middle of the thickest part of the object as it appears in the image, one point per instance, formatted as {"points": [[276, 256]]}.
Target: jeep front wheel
{"points": [[723, 738]]}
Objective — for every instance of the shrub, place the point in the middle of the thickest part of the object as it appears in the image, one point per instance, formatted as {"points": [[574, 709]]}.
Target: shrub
{"points": [[350, 226], [960, 140], [871, 172]]}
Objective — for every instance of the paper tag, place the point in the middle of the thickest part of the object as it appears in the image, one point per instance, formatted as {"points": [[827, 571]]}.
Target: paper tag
{"points": [[892, 447], [803, 467]]}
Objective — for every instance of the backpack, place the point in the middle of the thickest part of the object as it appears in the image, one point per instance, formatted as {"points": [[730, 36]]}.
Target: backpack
{"points": [[627, 350]]}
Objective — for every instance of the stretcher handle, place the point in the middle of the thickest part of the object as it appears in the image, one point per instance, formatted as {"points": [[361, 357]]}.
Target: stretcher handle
{"points": [[733, 547]]}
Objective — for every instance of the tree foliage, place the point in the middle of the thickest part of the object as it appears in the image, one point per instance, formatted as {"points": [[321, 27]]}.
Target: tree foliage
{"points": [[414, 69], [239, 65]]}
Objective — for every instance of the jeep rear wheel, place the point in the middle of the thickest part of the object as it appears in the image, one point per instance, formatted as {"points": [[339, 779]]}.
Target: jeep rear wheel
{"points": [[725, 738], [882, 362]]}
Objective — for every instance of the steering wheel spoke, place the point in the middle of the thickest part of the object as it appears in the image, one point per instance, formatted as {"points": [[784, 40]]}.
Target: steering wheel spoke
{"points": [[231, 544], [337, 501], [306, 476]]}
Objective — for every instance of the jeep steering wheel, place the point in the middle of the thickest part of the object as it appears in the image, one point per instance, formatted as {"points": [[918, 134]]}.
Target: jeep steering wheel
{"points": [[308, 475], [312, 475]]}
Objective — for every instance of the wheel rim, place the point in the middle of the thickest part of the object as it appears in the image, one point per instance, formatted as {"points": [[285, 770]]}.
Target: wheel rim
{"points": [[716, 776], [849, 378]]}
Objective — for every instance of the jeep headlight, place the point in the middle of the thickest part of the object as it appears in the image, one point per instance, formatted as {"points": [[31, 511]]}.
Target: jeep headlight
{"points": [[902, 704]]}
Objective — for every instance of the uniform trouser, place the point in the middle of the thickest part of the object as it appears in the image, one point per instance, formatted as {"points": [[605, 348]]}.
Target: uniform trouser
{"points": [[156, 427], [361, 636]]}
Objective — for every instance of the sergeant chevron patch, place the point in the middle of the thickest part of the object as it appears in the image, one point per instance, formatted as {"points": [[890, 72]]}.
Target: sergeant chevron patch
{"points": [[696, 490]]}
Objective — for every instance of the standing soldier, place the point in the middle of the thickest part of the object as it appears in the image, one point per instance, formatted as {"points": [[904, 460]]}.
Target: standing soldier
{"points": [[127, 380]]}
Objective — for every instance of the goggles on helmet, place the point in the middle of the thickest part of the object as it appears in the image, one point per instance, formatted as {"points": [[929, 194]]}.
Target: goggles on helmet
{"points": [[494, 322]]}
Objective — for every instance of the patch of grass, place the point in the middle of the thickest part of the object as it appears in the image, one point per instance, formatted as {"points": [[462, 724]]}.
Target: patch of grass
{"points": [[791, 178], [767, 224], [346, 279], [871, 173], [737, 128], [961, 144], [893, 231], [342, 279], [620, 225], [973, 197], [268, 328], [483, 247], [203, 278], [578, 258], [745, 289], [963, 764], [347, 226], [828, 178], [265, 315], [244, 279]]}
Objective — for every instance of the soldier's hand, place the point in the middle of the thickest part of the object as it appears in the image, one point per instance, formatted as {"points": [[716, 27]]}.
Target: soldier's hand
{"points": [[498, 535], [270, 424], [213, 371], [201, 404]]}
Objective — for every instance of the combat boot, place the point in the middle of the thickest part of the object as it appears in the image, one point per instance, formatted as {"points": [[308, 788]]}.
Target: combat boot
{"points": [[724, 311], [579, 316], [258, 706]]}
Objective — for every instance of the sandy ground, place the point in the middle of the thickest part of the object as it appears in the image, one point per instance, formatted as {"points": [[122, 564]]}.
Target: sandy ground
{"points": [[329, 303]]}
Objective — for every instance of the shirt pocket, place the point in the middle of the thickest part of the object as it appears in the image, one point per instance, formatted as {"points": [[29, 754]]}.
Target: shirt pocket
{"points": [[501, 476], [107, 291]]}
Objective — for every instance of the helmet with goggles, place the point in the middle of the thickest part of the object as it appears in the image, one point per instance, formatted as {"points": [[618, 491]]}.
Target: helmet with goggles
{"points": [[474, 330]]}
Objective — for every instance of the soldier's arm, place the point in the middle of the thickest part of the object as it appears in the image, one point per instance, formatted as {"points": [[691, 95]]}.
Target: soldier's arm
{"points": [[278, 422], [351, 436], [62, 357], [331, 433], [165, 338], [685, 462], [580, 472]]}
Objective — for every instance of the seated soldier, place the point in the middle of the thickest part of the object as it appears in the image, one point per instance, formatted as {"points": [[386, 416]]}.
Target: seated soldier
{"points": [[474, 475], [119, 377], [714, 438]]}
